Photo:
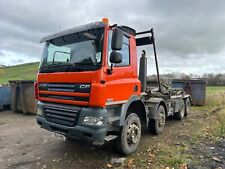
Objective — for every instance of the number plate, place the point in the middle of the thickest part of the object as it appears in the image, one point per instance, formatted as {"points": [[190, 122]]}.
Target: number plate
{"points": [[58, 136]]}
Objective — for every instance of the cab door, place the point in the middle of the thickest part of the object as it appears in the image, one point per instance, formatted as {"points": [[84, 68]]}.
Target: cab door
{"points": [[122, 83]]}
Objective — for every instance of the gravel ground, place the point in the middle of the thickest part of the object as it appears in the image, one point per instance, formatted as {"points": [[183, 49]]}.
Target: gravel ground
{"points": [[24, 145]]}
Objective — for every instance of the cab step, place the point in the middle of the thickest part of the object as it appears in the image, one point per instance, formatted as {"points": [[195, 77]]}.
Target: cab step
{"points": [[110, 137]]}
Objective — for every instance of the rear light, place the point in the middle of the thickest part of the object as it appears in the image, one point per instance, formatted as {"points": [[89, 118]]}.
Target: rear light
{"points": [[36, 90]]}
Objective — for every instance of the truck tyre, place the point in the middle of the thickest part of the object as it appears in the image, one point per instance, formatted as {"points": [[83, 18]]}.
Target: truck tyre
{"points": [[187, 106], [156, 126], [180, 114], [130, 135]]}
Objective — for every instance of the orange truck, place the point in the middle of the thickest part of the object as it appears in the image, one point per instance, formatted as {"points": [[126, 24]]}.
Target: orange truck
{"points": [[89, 86]]}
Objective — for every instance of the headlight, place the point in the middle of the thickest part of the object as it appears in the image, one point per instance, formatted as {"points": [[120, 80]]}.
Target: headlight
{"points": [[39, 111], [40, 106], [93, 120]]}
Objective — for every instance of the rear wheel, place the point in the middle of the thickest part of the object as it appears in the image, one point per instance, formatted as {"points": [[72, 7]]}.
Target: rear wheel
{"points": [[130, 135], [181, 113], [156, 126], [187, 106]]}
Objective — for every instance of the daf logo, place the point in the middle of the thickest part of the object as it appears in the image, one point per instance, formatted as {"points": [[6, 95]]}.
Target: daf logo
{"points": [[84, 86]]}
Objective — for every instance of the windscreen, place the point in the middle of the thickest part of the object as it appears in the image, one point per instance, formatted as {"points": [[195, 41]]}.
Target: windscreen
{"points": [[75, 52]]}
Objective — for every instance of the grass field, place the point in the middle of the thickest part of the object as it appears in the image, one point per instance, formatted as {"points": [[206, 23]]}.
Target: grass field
{"points": [[215, 96], [212, 90], [18, 72]]}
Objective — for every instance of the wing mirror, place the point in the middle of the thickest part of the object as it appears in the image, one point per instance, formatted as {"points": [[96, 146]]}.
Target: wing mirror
{"points": [[116, 45], [115, 57], [117, 39]]}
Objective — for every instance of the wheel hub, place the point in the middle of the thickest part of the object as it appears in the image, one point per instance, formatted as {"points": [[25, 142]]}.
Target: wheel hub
{"points": [[161, 119], [133, 134]]}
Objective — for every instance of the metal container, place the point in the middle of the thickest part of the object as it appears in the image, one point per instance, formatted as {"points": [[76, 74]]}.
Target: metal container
{"points": [[4, 96], [22, 96], [195, 87]]}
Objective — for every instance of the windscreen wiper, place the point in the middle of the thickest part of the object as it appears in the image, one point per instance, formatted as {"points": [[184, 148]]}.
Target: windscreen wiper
{"points": [[72, 66], [56, 65], [79, 66]]}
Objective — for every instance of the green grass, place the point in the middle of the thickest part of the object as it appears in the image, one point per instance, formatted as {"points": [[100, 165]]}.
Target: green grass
{"points": [[173, 156], [212, 90], [215, 96], [19, 72]]}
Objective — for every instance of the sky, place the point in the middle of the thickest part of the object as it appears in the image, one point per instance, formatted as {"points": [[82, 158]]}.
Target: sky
{"points": [[190, 35]]}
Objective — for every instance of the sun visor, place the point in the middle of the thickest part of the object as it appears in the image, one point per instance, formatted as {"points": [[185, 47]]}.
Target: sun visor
{"points": [[61, 35]]}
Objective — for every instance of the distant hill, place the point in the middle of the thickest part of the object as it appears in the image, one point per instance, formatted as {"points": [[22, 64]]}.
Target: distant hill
{"points": [[2, 65], [26, 71]]}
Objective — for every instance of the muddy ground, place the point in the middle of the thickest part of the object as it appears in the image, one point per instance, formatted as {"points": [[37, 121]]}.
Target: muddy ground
{"points": [[23, 145]]}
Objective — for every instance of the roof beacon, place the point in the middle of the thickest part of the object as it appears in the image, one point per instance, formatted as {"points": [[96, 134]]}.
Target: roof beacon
{"points": [[105, 20]]}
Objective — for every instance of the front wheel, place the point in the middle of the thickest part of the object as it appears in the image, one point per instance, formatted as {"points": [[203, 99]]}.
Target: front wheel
{"points": [[130, 135]]}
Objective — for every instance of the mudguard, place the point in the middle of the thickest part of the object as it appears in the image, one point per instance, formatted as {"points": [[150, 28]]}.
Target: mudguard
{"points": [[126, 106], [186, 96], [152, 105]]}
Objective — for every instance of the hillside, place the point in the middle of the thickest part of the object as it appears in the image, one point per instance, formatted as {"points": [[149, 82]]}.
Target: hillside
{"points": [[19, 72]]}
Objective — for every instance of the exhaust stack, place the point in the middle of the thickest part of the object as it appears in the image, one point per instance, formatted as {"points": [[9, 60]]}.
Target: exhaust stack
{"points": [[143, 71]]}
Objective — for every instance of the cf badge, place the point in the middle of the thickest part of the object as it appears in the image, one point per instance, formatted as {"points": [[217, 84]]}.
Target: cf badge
{"points": [[84, 86]]}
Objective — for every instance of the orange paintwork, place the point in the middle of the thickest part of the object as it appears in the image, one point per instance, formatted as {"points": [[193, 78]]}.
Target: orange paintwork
{"points": [[118, 86]]}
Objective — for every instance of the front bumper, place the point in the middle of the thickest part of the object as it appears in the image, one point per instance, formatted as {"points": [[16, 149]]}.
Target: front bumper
{"points": [[95, 134]]}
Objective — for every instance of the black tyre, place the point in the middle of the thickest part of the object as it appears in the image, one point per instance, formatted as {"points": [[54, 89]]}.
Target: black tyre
{"points": [[187, 106], [130, 135], [180, 114], [156, 126]]}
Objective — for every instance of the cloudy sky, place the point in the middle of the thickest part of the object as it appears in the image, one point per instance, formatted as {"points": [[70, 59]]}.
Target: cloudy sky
{"points": [[190, 35]]}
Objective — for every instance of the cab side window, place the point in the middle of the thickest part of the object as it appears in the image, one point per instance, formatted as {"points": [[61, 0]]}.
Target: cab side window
{"points": [[125, 52]]}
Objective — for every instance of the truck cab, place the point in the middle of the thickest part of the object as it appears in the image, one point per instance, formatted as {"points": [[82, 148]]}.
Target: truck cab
{"points": [[88, 87]]}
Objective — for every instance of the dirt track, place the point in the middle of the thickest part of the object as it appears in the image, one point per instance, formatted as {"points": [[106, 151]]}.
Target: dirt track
{"points": [[23, 145]]}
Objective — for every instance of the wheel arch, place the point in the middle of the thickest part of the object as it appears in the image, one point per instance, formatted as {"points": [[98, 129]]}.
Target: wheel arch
{"points": [[134, 105], [154, 104], [187, 96]]}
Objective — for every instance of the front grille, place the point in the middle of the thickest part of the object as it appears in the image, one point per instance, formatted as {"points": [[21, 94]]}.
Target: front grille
{"points": [[61, 114], [58, 87], [69, 92], [76, 98]]}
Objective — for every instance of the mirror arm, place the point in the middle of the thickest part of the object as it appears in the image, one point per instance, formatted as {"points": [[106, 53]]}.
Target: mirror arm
{"points": [[111, 68], [110, 71]]}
